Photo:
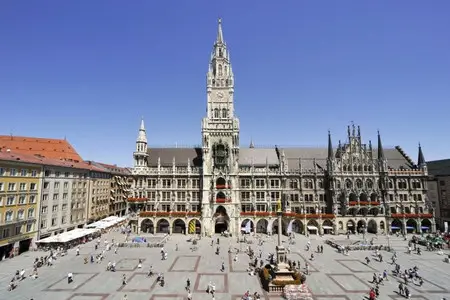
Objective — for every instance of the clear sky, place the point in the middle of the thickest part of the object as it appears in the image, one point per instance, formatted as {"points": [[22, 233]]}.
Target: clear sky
{"points": [[89, 70]]}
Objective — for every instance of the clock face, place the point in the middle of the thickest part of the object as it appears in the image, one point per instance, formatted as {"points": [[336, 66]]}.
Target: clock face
{"points": [[220, 94]]}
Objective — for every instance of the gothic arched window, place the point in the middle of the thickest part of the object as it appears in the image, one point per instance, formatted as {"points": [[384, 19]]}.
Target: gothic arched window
{"points": [[220, 70], [224, 113], [216, 113], [359, 184], [220, 154], [226, 70]]}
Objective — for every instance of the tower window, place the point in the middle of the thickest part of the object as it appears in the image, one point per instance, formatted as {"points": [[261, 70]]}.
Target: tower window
{"points": [[220, 52], [216, 113], [224, 113], [220, 70]]}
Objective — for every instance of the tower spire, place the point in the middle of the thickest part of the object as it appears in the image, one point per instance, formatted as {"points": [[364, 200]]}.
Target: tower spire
{"points": [[380, 148], [142, 136], [219, 39], [421, 159], [251, 143], [330, 146], [141, 155]]}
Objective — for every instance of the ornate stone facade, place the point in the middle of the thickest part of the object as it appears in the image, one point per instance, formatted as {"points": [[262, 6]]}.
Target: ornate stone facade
{"points": [[222, 186]]}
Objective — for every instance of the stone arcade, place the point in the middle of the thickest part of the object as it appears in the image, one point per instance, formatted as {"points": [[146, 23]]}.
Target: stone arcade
{"points": [[221, 185]]}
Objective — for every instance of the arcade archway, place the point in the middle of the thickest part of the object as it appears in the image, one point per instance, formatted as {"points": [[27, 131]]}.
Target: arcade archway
{"points": [[372, 226], [147, 226], [297, 226], [247, 226], [411, 226], [426, 225], [275, 227], [313, 227], [361, 226], [327, 227], [163, 226], [221, 220], [179, 226], [261, 226], [351, 226], [396, 226], [194, 227]]}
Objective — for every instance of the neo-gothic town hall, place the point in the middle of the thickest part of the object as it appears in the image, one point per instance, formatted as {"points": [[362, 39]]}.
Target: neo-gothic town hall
{"points": [[353, 186]]}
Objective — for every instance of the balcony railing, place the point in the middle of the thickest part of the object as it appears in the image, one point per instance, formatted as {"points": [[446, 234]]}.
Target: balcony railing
{"points": [[289, 215], [364, 203], [411, 215], [222, 186], [137, 199], [169, 214], [222, 200]]}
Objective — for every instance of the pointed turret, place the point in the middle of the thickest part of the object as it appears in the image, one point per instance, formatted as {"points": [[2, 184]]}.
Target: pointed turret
{"points": [[421, 159], [330, 147], [330, 158], [220, 65], [251, 144], [219, 39], [382, 162], [141, 155], [380, 148], [142, 136]]}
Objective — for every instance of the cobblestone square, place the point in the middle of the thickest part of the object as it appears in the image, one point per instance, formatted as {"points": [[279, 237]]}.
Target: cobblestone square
{"points": [[332, 276], [185, 263]]}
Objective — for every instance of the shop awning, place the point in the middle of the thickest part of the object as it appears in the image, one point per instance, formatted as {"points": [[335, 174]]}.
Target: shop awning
{"points": [[311, 227], [68, 236], [327, 227]]}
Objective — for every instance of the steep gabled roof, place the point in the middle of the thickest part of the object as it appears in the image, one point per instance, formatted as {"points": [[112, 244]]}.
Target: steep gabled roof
{"points": [[49, 148], [182, 156], [44, 161], [439, 167]]}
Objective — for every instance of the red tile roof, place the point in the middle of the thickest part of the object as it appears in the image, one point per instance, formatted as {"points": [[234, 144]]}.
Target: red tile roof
{"points": [[113, 168], [49, 148], [40, 160]]}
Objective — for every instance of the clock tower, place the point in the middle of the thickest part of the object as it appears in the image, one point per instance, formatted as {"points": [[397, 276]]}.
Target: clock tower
{"points": [[220, 137]]}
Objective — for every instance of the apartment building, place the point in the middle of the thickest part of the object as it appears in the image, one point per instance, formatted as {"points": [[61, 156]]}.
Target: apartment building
{"points": [[440, 171], [64, 200], [20, 184], [99, 192], [120, 188]]}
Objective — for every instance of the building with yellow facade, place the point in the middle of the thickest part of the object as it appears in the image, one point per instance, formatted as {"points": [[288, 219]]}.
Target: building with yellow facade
{"points": [[20, 186]]}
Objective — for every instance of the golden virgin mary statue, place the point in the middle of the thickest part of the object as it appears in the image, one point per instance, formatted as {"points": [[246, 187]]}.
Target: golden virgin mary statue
{"points": [[279, 208]]}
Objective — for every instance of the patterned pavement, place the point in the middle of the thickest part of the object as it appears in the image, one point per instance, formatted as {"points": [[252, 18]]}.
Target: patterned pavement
{"points": [[332, 275]]}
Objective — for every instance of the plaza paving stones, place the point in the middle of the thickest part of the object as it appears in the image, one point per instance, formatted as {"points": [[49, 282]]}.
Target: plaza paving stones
{"points": [[128, 264], [220, 281], [88, 296], [61, 285], [185, 263], [333, 275], [350, 283], [356, 266], [138, 282]]}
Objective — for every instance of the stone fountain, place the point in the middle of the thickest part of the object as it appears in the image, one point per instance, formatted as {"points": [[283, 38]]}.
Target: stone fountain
{"points": [[285, 277]]}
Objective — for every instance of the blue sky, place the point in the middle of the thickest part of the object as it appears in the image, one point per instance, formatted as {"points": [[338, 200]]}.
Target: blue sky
{"points": [[89, 70]]}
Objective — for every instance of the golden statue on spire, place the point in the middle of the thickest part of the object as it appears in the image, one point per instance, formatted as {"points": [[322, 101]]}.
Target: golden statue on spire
{"points": [[279, 208]]}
